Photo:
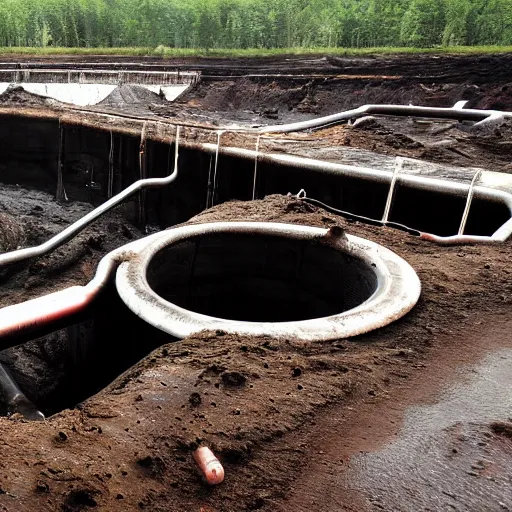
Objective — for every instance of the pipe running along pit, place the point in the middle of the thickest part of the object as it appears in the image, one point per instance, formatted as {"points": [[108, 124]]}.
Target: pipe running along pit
{"points": [[328, 167], [363, 317], [272, 279]]}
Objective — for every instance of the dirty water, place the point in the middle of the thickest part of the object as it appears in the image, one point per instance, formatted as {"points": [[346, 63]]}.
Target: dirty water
{"points": [[446, 455]]}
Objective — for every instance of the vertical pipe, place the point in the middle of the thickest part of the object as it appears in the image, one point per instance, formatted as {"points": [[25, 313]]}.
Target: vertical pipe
{"points": [[118, 181], [143, 172], [209, 186], [256, 167], [214, 188], [110, 185], [177, 148], [398, 168], [471, 193]]}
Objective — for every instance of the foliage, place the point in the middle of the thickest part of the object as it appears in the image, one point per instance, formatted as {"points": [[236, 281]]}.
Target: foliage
{"points": [[264, 24]]}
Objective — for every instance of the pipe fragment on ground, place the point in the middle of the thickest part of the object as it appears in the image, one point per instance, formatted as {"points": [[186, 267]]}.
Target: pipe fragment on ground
{"points": [[210, 466]]}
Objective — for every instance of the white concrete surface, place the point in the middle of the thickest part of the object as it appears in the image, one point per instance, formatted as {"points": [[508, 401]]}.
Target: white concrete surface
{"points": [[89, 94]]}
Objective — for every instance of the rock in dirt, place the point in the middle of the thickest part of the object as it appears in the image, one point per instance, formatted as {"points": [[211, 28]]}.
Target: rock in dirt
{"points": [[12, 234], [233, 379], [502, 428]]}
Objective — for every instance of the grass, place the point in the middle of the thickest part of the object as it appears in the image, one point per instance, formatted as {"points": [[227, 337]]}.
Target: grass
{"points": [[167, 52]]}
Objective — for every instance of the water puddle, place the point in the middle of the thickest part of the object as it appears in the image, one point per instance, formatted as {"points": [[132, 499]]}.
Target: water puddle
{"points": [[447, 455]]}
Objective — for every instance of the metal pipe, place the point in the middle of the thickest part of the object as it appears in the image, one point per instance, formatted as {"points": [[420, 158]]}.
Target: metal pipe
{"points": [[392, 110], [15, 399], [501, 235], [471, 193], [399, 163], [37, 313], [79, 225], [419, 182]]}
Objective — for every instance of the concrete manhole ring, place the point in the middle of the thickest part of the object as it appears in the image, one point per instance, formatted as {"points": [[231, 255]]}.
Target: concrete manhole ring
{"points": [[281, 280]]}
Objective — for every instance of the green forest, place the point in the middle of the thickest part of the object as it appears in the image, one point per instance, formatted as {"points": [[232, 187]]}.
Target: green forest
{"points": [[211, 24]]}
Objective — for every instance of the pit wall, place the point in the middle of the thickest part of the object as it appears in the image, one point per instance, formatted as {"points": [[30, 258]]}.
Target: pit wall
{"points": [[80, 161]]}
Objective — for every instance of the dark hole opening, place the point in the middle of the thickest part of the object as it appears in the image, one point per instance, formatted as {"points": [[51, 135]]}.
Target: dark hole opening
{"points": [[63, 368], [441, 214], [260, 278]]}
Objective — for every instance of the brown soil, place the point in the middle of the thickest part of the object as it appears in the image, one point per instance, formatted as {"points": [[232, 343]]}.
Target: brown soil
{"points": [[140, 431]]}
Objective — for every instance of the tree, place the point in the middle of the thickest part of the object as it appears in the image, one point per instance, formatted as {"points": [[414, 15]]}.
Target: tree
{"points": [[423, 23]]}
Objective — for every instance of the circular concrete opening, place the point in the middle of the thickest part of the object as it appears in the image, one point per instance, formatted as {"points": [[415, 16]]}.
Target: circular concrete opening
{"points": [[266, 279], [260, 278]]}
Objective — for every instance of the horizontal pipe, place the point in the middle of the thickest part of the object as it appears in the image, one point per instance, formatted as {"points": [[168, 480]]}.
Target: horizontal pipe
{"points": [[390, 110], [416, 181], [457, 239], [38, 313], [501, 235], [43, 310], [457, 113]]}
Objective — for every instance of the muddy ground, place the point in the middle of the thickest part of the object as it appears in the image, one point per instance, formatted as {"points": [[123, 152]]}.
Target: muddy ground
{"points": [[288, 421]]}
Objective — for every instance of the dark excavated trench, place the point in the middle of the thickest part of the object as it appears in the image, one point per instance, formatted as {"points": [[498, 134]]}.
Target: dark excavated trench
{"points": [[90, 165]]}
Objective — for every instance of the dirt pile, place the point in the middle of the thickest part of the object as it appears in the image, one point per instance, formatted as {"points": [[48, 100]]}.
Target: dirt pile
{"points": [[16, 95], [330, 95], [130, 95]]}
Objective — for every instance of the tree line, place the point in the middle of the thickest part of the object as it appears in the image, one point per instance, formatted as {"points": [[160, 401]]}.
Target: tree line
{"points": [[237, 24]]}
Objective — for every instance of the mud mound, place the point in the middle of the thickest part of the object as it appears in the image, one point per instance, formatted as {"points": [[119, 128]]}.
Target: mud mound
{"points": [[15, 94], [246, 94], [256, 401], [12, 234], [130, 95], [330, 95]]}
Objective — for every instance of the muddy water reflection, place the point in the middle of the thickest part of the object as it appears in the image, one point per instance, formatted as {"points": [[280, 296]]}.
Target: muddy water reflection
{"points": [[447, 457]]}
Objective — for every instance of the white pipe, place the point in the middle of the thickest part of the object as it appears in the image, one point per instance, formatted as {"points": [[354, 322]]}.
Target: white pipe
{"points": [[471, 193], [72, 230], [391, 110], [501, 235], [399, 163]]}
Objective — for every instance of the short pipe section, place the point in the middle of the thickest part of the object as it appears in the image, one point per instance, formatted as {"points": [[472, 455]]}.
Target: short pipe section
{"points": [[305, 283]]}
